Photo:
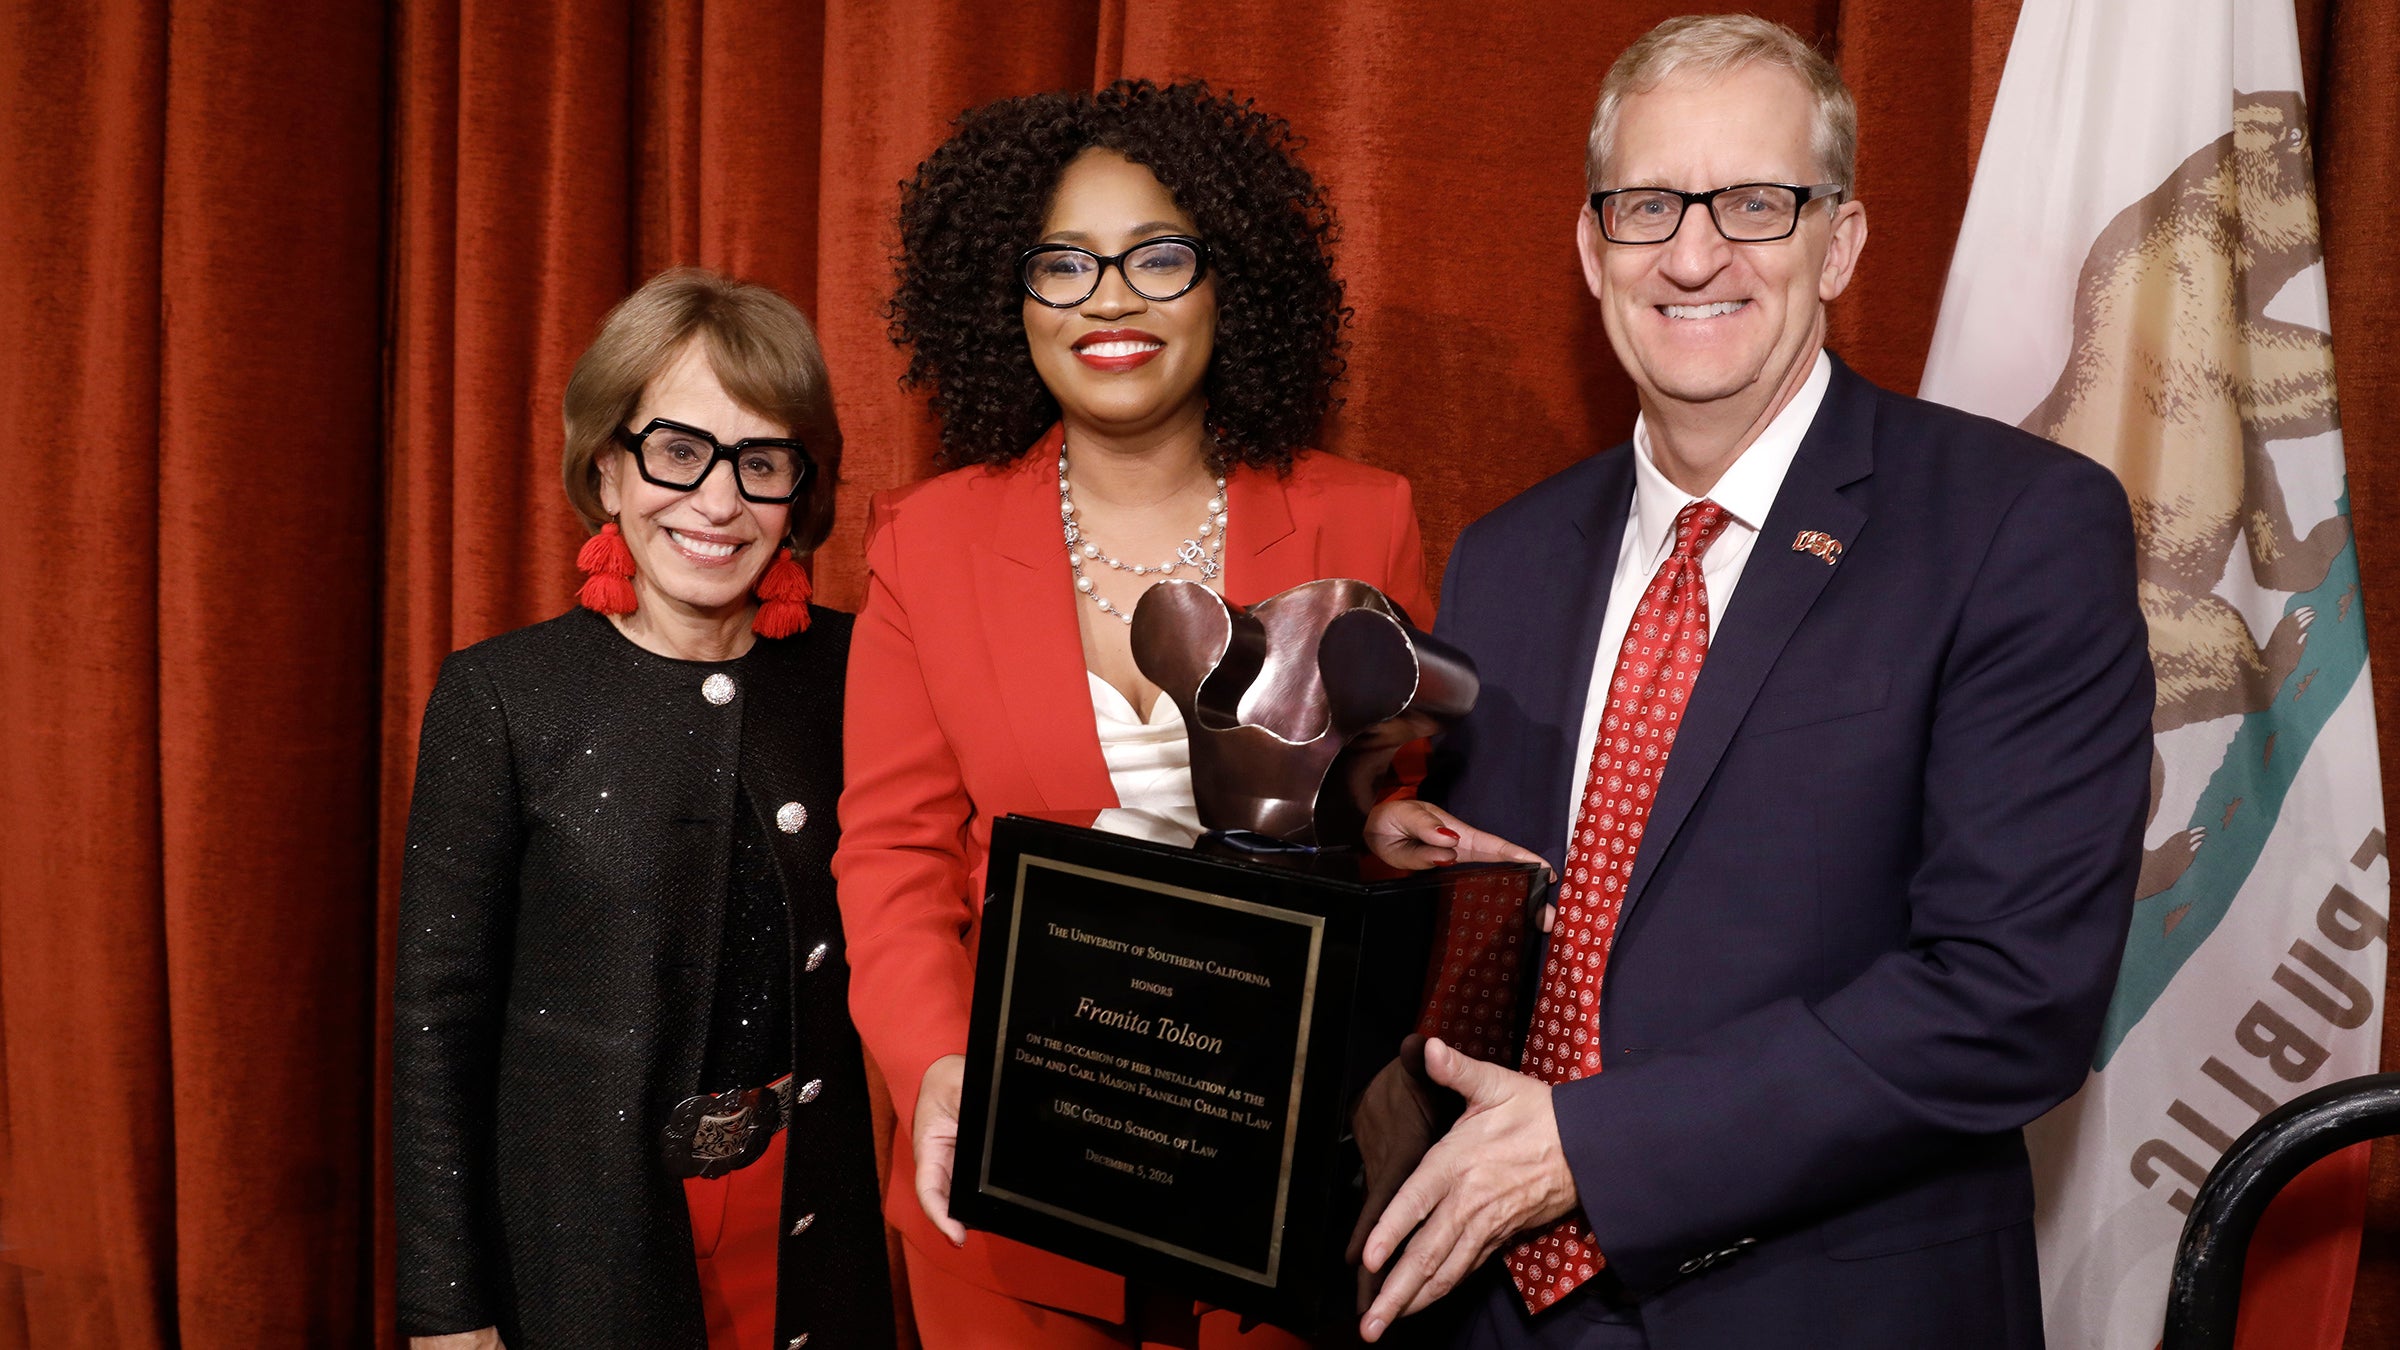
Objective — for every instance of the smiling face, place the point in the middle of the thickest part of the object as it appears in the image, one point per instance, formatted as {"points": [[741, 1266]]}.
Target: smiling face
{"points": [[699, 551], [1118, 363], [1697, 320]]}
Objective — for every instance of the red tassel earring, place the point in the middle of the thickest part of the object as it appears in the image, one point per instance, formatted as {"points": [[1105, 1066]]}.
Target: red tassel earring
{"points": [[608, 572], [782, 598]]}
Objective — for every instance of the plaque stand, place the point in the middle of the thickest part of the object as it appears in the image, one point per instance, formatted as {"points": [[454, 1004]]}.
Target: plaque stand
{"points": [[1167, 1045]]}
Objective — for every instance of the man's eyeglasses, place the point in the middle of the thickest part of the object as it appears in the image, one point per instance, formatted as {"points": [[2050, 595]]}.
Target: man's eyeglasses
{"points": [[769, 469], [1063, 276], [1745, 213]]}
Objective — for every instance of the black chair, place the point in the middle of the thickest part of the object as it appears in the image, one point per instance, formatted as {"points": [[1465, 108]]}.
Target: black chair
{"points": [[2206, 1294]]}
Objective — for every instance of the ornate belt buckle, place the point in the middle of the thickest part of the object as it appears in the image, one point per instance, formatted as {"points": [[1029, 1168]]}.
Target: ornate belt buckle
{"points": [[712, 1134]]}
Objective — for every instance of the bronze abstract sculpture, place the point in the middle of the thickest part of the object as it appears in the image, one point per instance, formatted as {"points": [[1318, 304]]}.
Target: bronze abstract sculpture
{"points": [[1297, 704]]}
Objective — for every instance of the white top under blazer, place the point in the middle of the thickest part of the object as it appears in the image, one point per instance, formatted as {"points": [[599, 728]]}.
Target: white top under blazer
{"points": [[1149, 765]]}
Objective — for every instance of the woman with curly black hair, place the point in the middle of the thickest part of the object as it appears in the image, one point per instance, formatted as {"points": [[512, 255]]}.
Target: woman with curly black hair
{"points": [[1124, 308]]}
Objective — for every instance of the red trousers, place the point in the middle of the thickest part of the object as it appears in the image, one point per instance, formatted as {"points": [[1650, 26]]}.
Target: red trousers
{"points": [[954, 1313], [736, 1224]]}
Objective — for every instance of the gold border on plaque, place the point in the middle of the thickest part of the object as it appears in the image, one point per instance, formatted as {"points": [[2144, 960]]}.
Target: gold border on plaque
{"points": [[1314, 923]]}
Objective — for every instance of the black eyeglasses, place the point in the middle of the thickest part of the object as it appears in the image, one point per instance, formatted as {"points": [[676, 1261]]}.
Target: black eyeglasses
{"points": [[1063, 276], [769, 469], [1745, 213]]}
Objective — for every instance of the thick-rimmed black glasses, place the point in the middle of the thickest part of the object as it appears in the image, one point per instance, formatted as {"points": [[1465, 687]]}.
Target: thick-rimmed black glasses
{"points": [[1745, 213], [768, 469], [1063, 276]]}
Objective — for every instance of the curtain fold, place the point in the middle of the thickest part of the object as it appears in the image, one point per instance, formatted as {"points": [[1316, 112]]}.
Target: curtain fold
{"points": [[1917, 104], [83, 959], [268, 485], [301, 286]]}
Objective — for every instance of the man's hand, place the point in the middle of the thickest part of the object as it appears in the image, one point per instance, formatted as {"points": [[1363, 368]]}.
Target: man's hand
{"points": [[1498, 1172], [934, 1141], [1412, 834]]}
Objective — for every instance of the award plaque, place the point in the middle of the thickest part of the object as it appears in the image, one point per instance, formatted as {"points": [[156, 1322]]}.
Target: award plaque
{"points": [[1168, 1046]]}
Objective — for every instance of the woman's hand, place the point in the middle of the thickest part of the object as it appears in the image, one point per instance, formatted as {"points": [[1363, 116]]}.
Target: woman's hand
{"points": [[934, 1141], [1394, 1124], [1412, 834], [486, 1339]]}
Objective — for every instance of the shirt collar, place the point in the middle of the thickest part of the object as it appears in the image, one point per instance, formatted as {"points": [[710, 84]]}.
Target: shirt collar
{"points": [[1747, 490]]}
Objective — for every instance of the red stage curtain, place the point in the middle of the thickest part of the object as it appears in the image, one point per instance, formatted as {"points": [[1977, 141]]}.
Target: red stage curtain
{"points": [[191, 245], [2356, 105], [301, 285]]}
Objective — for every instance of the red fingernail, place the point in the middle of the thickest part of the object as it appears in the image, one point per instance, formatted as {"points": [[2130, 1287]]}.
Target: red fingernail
{"points": [[1445, 831]]}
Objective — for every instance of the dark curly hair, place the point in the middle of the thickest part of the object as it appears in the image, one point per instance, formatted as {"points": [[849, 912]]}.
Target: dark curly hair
{"points": [[979, 201]]}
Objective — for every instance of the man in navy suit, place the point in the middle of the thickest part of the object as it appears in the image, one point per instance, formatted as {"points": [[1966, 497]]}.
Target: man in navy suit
{"points": [[1831, 709]]}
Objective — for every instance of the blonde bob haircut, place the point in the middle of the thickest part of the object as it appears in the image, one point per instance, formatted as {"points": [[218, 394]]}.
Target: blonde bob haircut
{"points": [[761, 350], [1708, 45]]}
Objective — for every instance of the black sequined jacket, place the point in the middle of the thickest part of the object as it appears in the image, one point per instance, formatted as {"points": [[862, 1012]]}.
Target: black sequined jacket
{"points": [[562, 902]]}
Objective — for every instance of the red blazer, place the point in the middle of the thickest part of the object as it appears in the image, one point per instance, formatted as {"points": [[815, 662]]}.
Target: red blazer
{"points": [[968, 700]]}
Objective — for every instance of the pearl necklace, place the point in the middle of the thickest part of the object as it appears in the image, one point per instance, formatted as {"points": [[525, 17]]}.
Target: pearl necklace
{"points": [[1206, 552]]}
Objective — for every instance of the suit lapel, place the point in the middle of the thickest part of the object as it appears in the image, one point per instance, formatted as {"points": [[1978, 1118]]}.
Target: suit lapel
{"points": [[1777, 587], [1582, 560], [1029, 627], [1266, 552]]}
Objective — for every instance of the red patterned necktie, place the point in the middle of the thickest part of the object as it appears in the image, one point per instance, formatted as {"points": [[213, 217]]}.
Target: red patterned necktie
{"points": [[1664, 646]]}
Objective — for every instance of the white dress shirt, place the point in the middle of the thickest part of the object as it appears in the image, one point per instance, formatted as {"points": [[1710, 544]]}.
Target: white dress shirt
{"points": [[1747, 492]]}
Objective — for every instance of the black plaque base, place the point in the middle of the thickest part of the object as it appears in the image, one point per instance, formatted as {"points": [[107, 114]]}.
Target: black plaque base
{"points": [[1167, 1045]]}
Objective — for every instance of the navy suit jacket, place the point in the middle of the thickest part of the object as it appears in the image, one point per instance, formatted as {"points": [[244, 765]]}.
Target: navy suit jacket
{"points": [[1881, 897]]}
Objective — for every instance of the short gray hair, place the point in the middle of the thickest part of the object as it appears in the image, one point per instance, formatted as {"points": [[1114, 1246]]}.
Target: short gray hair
{"points": [[1712, 44]]}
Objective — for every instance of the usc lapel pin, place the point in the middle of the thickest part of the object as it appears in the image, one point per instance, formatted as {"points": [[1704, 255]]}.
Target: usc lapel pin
{"points": [[1819, 543]]}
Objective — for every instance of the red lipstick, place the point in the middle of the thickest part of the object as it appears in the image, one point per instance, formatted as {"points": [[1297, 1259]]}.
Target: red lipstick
{"points": [[1115, 350]]}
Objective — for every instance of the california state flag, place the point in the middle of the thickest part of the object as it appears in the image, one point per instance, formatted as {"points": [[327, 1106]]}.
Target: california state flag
{"points": [[2138, 277]]}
